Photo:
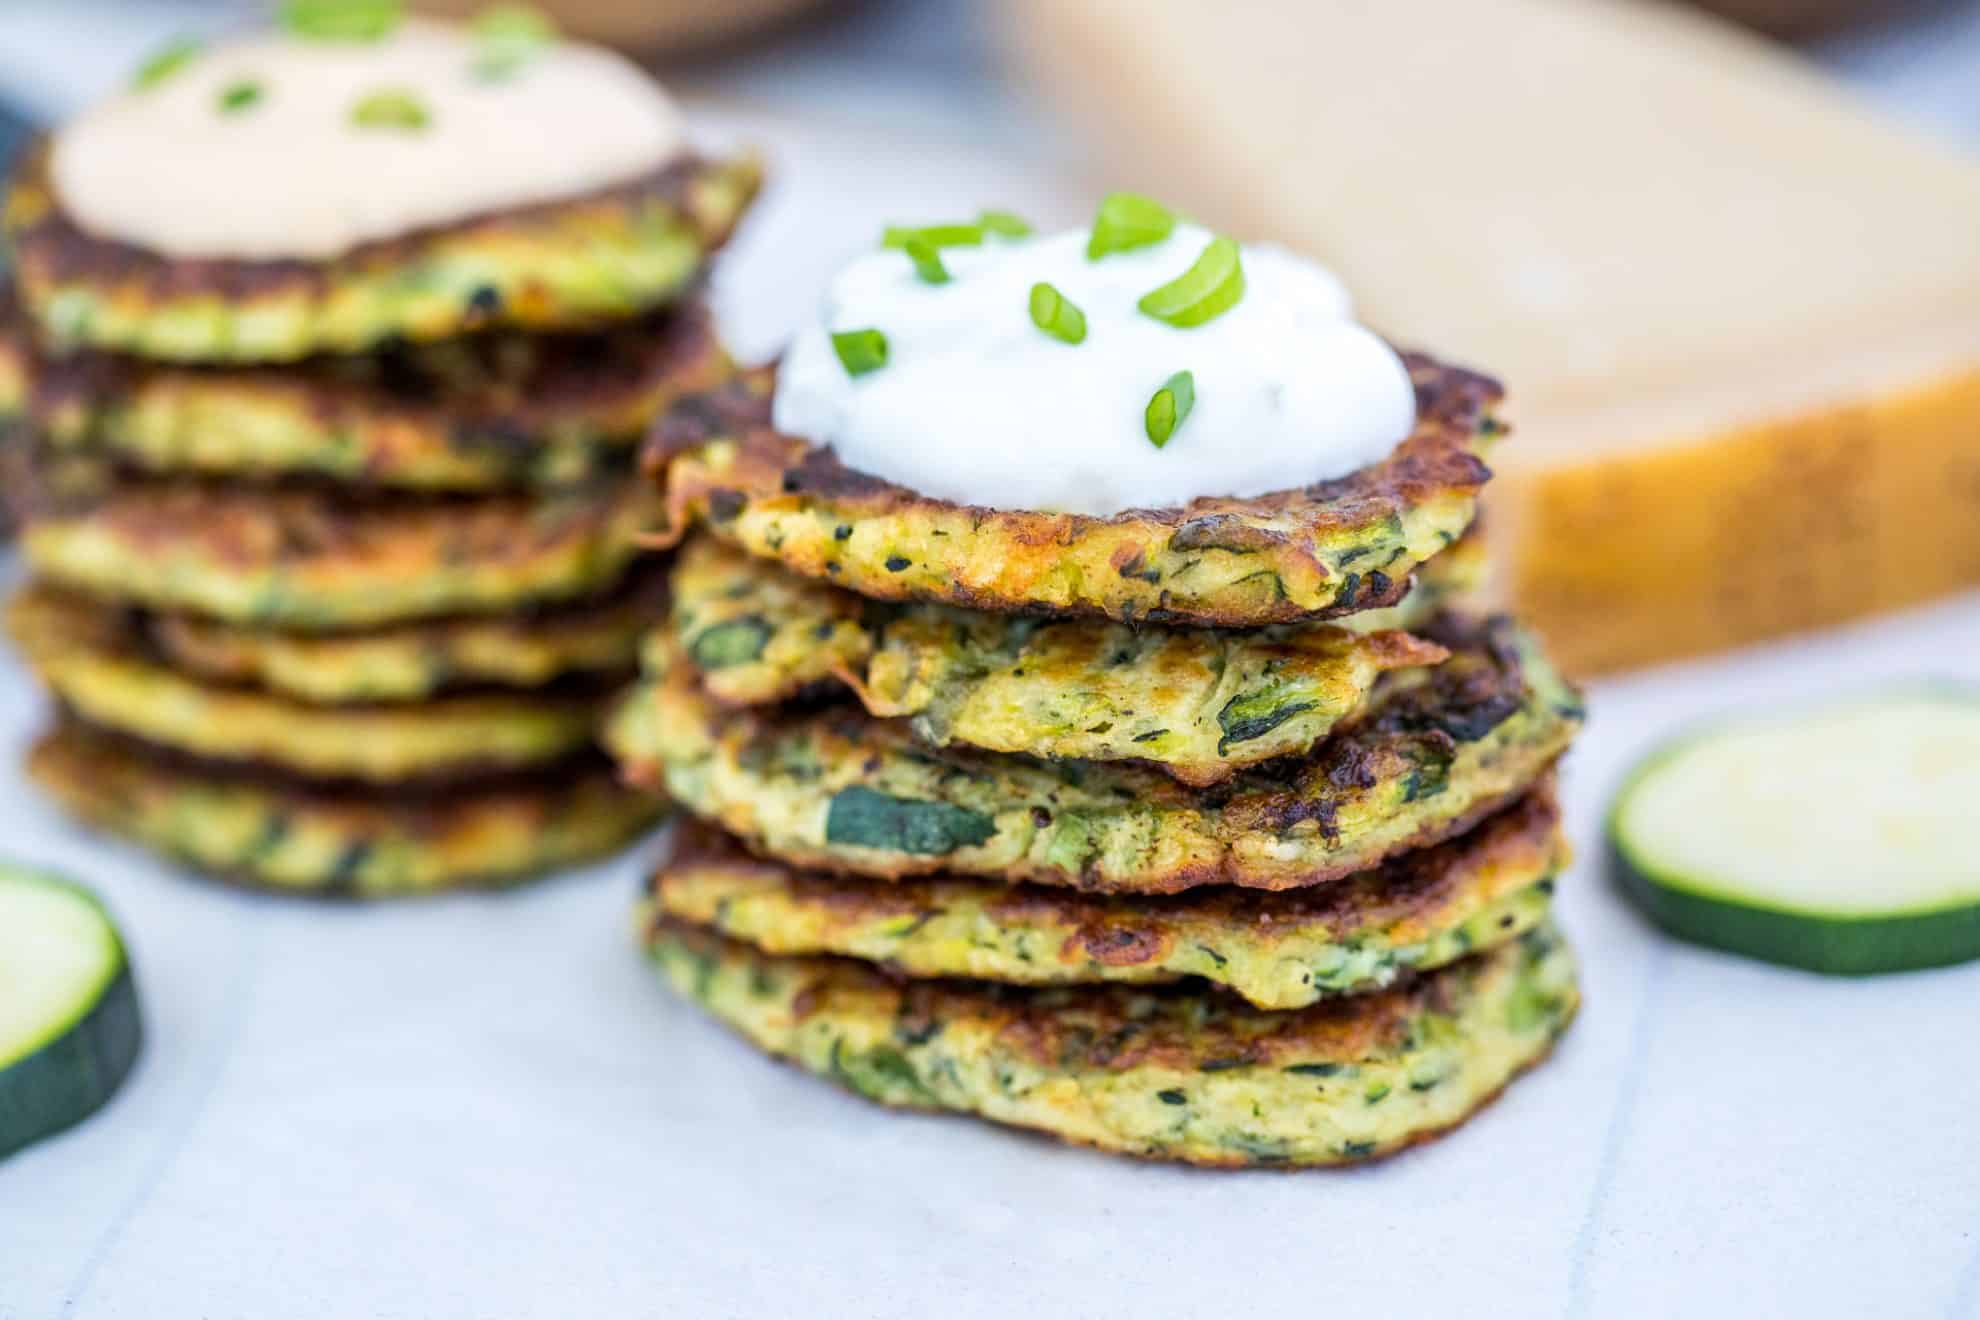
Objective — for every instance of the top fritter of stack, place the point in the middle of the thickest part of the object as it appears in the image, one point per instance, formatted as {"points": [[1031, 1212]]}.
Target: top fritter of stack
{"points": [[1342, 465], [358, 182]]}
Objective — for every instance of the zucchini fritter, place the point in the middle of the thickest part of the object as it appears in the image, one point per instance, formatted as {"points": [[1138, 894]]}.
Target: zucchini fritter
{"points": [[92, 661], [486, 412], [1161, 1074], [1439, 749], [311, 560], [1198, 704], [617, 253], [413, 661], [275, 835], [1291, 557], [1417, 912]]}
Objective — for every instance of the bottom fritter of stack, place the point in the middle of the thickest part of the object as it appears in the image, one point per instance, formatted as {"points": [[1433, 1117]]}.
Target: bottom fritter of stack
{"points": [[1220, 1026], [425, 756], [272, 833]]}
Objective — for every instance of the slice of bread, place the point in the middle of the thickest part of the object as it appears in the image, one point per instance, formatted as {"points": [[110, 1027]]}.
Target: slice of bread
{"points": [[1739, 316]]}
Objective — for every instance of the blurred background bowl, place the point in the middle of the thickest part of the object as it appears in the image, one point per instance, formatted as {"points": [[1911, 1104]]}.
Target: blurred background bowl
{"points": [[668, 27], [1799, 19]]}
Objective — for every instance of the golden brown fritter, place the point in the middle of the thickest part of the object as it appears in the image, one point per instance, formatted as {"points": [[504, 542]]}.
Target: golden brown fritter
{"points": [[1198, 704], [835, 789], [93, 661], [270, 833], [1295, 556], [1176, 1074], [611, 255], [420, 659], [1419, 911], [316, 560], [479, 413]]}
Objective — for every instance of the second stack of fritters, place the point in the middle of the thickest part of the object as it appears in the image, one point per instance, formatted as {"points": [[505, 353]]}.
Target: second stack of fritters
{"points": [[335, 564], [1211, 834]]}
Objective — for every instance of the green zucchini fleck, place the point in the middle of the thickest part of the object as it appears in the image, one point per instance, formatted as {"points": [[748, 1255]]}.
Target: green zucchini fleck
{"points": [[1254, 714], [864, 818], [736, 642], [1430, 772], [881, 1073]]}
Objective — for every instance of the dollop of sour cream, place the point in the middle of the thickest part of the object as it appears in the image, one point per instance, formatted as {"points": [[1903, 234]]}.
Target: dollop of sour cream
{"points": [[977, 405], [290, 174]]}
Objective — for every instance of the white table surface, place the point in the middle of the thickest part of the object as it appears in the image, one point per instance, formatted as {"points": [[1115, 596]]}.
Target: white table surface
{"points": [[487, 1107]]}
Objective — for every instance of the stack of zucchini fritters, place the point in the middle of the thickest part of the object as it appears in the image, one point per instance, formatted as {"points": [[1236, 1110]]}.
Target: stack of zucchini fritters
{"points": [[1205, 834], [336, 562]]}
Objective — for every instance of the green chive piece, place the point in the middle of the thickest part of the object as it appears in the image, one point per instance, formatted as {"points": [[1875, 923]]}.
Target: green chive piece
{"points": [[1056, 316], [1209, 288], [1127, 221], [927, 262], [860, 351], [169, 59], [1170, 407], [935, 236], [390, 107], [508, 36], [238, 96], [1004, 224], [342, 20]]}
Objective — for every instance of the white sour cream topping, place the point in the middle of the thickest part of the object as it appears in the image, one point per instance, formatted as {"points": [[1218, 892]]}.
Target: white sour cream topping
{"points": [[979, 406], [292, 176]]}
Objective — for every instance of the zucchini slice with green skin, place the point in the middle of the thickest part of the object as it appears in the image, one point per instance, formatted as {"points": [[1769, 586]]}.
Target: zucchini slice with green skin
{"points": [[69, 1023], [1839, 839]]}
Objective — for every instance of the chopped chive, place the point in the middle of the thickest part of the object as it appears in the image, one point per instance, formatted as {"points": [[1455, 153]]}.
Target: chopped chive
{"points": [[935, 236], [860, 351], [1004, 224], [168, 60], [342, 20], [1127, 221], [927, 262], [390, 107], [1056, 316], [238, 96], [1210, 287], [1169, 408], [508, 36]]}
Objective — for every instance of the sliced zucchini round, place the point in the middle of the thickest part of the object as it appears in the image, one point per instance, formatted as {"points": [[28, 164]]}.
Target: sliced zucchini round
{"points": [[69, 1025], [1843, 838]]}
